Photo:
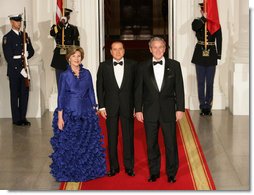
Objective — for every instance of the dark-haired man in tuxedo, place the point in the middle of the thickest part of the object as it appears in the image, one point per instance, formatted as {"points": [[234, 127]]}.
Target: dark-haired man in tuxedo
{"points": [[159, 102], [115, 92]]}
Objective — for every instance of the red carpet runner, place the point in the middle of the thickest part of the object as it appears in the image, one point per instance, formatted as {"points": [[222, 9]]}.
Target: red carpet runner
{"points": [[193, 173]]}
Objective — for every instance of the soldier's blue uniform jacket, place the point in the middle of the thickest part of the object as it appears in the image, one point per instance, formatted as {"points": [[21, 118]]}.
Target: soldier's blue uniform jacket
{"points": [[214, 40], [12, 48], [205, 60]]}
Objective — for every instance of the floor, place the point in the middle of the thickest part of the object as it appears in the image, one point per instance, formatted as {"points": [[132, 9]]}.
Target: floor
{"points": [[24, 151]]}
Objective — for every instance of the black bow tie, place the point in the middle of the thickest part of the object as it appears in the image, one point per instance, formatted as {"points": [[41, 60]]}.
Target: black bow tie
{"points": [[157, 62], [120, 63]]}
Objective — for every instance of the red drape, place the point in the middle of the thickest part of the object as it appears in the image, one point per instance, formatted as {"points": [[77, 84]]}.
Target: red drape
{"points": [[213, 21]]}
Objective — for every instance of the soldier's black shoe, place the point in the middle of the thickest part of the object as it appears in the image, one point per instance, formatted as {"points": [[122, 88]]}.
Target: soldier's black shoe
{"points": [[202, 112], [208, 112], [26, 123], [18, 123]]}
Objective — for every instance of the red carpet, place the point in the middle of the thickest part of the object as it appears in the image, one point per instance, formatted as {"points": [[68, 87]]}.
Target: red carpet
{"points": [[193, 173]]}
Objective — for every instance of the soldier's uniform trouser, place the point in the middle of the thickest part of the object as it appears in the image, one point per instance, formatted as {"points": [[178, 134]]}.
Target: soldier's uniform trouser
{"points": [[19, 97], [205, 80]]}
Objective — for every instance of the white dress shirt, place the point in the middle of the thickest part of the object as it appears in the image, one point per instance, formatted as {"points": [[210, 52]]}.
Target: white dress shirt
{"points": [[118, 71], [158, 70], [17, 32]]}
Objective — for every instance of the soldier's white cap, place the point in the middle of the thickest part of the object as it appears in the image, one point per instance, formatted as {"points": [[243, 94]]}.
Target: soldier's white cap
{"points": [[16, 17]]}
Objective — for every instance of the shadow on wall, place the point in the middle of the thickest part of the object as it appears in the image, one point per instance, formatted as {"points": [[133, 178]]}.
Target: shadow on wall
{"points": [[188, 68], [3, 30], [226, 64], [46, 45], [43, 43]]}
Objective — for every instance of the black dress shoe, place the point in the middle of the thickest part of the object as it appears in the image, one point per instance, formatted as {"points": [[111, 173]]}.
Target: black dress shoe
{"points": [[208, 113], [202, 112], [130, 172], [171, 179], [113, 172], [18, 123], [153, 178], [26, 123]]}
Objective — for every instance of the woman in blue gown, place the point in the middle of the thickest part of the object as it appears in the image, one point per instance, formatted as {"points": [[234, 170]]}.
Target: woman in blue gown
{"points": [[78, 154]]}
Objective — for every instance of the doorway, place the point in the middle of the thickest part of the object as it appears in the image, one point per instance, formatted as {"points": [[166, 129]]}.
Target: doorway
{"points": [[135, 22]]}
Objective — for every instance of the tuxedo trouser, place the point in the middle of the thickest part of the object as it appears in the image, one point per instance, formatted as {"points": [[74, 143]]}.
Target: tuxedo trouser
{"points": [[19, 98], [153, 149], [127, 125]]}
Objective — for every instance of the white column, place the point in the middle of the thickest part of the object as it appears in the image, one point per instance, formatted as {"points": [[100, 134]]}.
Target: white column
{"points": [[183, 39], [239, 70], [86, 17], [89, 27]]}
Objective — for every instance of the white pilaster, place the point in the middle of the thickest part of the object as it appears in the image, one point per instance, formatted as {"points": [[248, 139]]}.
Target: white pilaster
{"points": [[36, 103], [239, 70], [182, 40]]}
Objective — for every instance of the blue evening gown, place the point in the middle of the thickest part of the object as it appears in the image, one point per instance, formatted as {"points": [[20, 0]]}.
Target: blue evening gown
{"points": [[78, 154]]}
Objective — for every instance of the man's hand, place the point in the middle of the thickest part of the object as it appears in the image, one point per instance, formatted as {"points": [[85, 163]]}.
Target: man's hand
{"points": [[139, 116], [179, 115], [103, 113]]}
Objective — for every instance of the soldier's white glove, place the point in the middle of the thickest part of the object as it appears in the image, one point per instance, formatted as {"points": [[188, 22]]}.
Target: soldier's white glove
{"points": [[218, 62], [23, 73], [63, 19], [25, 55]]}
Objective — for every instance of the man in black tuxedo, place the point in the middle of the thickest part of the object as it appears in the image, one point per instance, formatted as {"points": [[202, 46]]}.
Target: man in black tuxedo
{"points": [[159, 102], [115, 92]]}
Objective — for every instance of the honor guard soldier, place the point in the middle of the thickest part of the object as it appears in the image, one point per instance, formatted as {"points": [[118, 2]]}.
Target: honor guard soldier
{"points": [[13, 49], [207, 52], [65, 35]]}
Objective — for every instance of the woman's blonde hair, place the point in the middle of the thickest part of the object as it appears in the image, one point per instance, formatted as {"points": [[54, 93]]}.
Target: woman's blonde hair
{"points": [[71, 50]]}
